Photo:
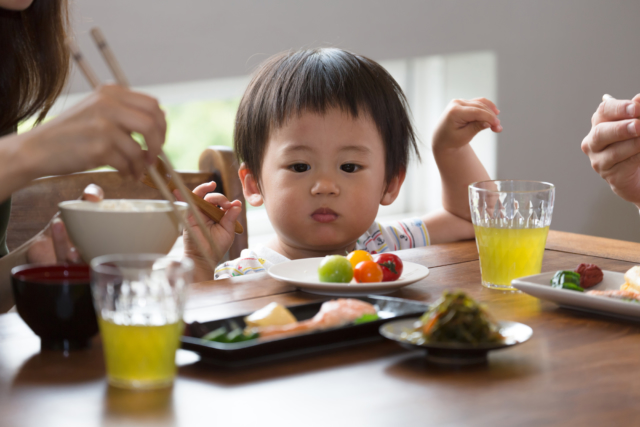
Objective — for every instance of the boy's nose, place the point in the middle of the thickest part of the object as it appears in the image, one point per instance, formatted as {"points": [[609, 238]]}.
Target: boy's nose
{"points": [[325, 187]]}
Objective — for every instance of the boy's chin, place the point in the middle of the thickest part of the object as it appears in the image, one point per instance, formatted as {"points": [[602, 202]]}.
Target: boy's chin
{"points": [[324, 242]]}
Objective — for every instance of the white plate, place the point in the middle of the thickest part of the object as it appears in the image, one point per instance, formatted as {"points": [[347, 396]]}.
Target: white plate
{"points": [[539, 286], [303, 273]]}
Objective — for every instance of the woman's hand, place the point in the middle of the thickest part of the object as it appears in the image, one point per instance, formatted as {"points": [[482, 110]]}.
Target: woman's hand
{"points": [[613, 146], [222, 233], [52, 245], [97, 132], [462, 120]]}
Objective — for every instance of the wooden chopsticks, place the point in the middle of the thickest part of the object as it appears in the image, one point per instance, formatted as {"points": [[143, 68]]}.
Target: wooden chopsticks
{"points": [[121, 79]]}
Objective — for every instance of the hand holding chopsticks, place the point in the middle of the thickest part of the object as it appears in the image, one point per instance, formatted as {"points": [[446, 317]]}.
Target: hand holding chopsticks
{"points": [[154, 175]]}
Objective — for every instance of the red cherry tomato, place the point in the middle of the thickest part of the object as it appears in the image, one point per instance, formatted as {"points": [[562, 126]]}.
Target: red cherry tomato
{"points": [[391, 266], [367, 272]]}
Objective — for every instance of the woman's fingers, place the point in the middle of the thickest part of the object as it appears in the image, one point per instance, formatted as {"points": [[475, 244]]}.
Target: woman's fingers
{"points": [[93, 193], [64, 250], [41, 251], [611, 109], [131, 152], [143, 116], [604, 134], [615, 154]]}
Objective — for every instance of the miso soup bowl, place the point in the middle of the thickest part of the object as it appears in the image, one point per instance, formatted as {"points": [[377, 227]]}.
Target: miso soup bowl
{"points": [[121, 226], [55, 301]]}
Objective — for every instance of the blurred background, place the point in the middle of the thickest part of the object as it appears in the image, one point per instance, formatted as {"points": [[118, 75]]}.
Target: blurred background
{"points": [[546, 64]]}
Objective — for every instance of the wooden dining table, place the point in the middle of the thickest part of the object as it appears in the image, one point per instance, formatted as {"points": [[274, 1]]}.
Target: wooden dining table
{"points": [[577, 369]]}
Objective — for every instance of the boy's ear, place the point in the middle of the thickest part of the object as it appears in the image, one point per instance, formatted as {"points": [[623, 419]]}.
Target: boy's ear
{"points": [[249, 186], [393, 188]]}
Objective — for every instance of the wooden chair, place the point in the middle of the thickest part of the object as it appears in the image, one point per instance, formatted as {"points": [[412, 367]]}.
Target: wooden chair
{"points": [[32, 207]]}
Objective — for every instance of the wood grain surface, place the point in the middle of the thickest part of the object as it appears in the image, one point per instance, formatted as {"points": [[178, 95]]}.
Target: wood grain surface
{"points": [[577, 370]]}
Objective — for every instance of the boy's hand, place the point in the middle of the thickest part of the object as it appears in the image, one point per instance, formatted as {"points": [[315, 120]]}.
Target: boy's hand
{"points": [[222, 233], [462, 120]]}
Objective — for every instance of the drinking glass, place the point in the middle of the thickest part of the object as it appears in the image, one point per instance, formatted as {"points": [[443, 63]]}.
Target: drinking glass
{"points": [[511, 221], [139, 300]]}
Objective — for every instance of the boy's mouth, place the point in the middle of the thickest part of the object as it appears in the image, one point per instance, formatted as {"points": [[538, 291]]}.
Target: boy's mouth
{"points": [[324, 215]]}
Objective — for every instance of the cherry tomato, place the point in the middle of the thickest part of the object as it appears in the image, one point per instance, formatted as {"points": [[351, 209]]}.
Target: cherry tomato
{"points": [[356, 257], [367, 272], [391, 266], [335, 268]]}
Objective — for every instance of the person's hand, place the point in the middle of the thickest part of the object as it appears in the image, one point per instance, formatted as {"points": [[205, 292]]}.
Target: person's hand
{"points": [[97, 132], [222, 233], [613, 146], [52, 245], [462, 120]]}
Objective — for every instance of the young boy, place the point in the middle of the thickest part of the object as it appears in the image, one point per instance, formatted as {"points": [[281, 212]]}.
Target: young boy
{"points": [[325, 138]]}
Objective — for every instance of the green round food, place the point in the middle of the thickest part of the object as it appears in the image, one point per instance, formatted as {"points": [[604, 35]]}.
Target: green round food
{"points": [[336, 269]]}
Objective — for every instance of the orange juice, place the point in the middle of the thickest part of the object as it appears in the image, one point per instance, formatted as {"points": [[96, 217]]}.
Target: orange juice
{"points": [[140, 356], [509, 253]]}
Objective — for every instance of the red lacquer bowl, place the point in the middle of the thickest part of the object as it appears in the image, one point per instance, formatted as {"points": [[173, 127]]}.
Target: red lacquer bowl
{"points": [[55, 301]]}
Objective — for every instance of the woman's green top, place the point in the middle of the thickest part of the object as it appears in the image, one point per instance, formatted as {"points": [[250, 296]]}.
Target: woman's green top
{"points": [[5, 211]]}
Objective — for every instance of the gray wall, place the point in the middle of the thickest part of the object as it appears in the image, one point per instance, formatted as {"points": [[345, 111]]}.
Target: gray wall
{"points": [[555, 60]]}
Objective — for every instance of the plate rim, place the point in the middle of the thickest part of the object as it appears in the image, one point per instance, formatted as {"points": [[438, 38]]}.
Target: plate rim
{"points": [[454, 346], [349, 287]]}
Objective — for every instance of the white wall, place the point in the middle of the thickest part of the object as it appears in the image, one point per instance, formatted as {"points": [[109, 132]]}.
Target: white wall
{"points": [[555, 59]]}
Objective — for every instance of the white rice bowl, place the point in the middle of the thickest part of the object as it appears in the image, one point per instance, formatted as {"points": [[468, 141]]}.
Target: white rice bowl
{"points": [[121, 226]]}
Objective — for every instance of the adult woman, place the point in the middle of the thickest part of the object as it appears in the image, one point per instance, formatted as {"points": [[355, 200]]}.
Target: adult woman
{"points": [[34, 63]]}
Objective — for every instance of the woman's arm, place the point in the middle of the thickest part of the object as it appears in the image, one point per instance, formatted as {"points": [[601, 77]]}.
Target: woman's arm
{"points": [[96, 132], [16, 169], [15, 258]]}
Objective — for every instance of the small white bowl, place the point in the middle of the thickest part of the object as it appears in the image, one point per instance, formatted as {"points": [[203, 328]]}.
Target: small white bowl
{"points": [[105, 228]]}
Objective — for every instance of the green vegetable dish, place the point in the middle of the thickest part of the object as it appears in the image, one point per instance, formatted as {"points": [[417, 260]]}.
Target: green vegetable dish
{"points": [[567, 279], [455, 318]]}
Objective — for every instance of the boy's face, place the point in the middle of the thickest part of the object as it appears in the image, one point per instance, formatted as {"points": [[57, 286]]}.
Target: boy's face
{"points": [[323, 180]]}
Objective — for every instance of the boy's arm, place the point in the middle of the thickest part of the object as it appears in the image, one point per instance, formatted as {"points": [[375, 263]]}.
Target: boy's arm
{"points": [[459, 166]]}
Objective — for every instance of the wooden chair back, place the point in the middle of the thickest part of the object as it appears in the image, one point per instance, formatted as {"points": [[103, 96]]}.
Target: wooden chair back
{"points": [[33, 206]]}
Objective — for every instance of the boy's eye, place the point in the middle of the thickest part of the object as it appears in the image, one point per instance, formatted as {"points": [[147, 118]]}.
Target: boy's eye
{"points": [[350, 167], [300, 167]]}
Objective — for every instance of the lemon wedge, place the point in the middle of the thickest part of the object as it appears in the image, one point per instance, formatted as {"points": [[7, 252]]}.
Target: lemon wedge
{"points": [[272, 314]]}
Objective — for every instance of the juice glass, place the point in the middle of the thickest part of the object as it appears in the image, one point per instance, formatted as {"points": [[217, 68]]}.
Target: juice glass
{"points": [[511, 220], [139, 300]]}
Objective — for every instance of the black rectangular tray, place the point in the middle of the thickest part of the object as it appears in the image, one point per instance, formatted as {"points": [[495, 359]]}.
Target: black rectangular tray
{"points": [[257, 351]]}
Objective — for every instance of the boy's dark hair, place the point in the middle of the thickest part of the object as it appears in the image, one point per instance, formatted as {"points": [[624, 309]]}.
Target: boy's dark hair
{"points": [[315, 80]]}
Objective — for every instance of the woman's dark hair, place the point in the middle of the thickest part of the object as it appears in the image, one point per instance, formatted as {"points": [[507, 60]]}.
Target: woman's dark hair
{"points": [[315, 80], [34, 60]]}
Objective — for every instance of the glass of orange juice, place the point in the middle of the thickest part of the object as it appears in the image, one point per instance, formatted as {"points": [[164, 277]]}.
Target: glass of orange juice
{"points": [[139, 301], [511, 220]]}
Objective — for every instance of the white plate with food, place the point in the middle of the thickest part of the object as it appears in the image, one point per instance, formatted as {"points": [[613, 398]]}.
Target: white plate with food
{"points": [[303, 273], [613, 296]]}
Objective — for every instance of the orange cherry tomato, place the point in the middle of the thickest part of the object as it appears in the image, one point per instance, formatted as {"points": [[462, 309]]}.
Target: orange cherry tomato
{"points": [[356, 257], [368, 272]]}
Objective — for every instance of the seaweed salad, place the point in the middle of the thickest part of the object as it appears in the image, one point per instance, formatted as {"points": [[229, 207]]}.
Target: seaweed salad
{"points": [[455, 318]]}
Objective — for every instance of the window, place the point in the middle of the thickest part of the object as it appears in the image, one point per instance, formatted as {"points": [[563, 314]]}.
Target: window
{"points": [[202, 113]]}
